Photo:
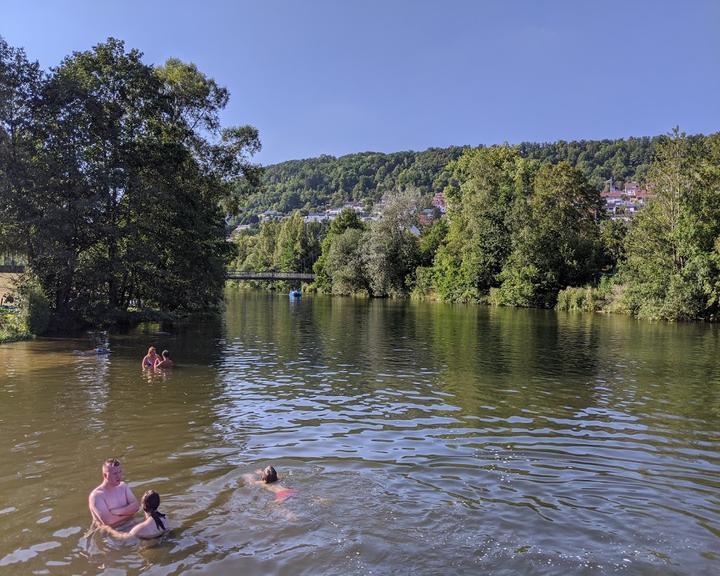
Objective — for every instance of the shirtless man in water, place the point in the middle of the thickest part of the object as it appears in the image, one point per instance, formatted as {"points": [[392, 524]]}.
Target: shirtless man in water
{"points": [[112, 503], [164, 360]]}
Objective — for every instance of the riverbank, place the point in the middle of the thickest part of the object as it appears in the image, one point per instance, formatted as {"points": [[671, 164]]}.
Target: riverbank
{"points": [[608, 297]]}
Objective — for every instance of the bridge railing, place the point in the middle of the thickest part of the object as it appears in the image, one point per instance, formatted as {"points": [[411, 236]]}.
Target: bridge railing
{"points": [[269, 275]]}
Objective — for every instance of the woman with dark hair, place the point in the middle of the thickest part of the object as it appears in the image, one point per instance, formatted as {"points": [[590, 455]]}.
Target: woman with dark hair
{"points": [[153, 525], [269, 480]]}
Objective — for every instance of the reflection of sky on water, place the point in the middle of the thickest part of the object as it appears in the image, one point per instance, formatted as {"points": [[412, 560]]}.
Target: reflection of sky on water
{"points": [[91, 371]]}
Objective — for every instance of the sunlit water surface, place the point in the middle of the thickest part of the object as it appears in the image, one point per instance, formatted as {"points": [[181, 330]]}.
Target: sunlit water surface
{"points": [[421, 439]]}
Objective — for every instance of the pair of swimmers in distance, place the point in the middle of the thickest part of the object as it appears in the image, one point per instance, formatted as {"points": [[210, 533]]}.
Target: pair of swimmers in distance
{"points": [[153, 360]]}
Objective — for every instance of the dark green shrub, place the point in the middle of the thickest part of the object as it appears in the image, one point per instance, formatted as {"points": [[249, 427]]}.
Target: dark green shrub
{"points": [[34, 307]]}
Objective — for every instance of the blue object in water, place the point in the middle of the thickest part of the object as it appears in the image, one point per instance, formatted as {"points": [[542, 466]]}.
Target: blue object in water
{"points": [[295, 294]]}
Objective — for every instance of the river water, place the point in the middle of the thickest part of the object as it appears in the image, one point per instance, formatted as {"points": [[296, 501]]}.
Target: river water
{"points": [[420, 438]]}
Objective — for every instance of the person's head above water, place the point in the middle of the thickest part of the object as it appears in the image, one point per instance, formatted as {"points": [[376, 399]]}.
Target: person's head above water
{"points": [[269, 475], [150, 503], [112, 471], [152, 350]]}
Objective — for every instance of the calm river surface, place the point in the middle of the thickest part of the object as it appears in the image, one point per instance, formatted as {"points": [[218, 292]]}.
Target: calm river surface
{"points": [[421, 438]]}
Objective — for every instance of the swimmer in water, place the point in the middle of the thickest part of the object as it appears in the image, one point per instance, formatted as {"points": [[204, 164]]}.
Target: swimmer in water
{"points": [[152, 526], [267, 478], [112, 503], [150, 358], [165, 361]]}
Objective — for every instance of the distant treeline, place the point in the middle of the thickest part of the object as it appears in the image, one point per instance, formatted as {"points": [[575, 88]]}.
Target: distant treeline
{"points": [[526, 227], [366, 177]]}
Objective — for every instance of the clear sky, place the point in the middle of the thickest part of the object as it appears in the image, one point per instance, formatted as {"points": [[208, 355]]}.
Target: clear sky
{"points": [[342, 76]]}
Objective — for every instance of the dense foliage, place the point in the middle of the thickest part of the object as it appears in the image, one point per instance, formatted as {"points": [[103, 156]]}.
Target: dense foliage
{"points": [[531, 231], [672, 265], [116, 178], [26, 315], [112, 176], [378, 259], [366, 177]]}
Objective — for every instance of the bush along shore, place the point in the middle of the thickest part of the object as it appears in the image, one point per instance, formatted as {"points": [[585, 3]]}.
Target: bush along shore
{"points": [[26, 315]]}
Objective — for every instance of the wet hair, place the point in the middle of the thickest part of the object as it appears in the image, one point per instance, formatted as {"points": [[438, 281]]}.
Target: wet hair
{"points": [[269, 475], [152, 349], [110, 463], [150, 502]]}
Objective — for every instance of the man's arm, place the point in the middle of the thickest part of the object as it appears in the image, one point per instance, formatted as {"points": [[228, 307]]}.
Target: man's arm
{"points": [[119, 535], [101, 513], [130, 508]]}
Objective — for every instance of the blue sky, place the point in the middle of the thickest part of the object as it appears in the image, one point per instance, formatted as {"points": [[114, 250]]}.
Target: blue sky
{"points": [[342, 76]]}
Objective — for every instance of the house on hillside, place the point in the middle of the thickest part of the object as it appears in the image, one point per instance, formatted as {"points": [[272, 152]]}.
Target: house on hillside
{"points": [[438, 202], [631, 189], [624, 204], [239, 230], [269, 216], [427, 216], [316, 217], [355, 206]]}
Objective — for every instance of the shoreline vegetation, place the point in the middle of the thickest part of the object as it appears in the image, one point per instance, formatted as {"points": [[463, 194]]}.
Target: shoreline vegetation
{"points": [[523, 232], [115, 178], [119, 187]]}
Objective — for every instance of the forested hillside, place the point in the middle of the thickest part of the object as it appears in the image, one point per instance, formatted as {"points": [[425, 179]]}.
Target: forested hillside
{"points": [[364, 177], [525, 226], [328, 181]]}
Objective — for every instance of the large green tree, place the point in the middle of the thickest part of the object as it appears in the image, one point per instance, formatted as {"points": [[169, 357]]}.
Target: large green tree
{"points": [[298, 245], [346, 263], [129, 169], [487, 182], [673, 248], [347, 219], [556, 240], [20, 80]]}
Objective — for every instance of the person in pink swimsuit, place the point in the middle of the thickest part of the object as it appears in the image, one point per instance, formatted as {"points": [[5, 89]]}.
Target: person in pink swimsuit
{"points": [[150, 358], [268, 479]]}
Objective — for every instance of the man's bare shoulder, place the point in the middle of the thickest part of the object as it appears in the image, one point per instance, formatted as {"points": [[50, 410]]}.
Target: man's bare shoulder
{"points": [[98, 491]]}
